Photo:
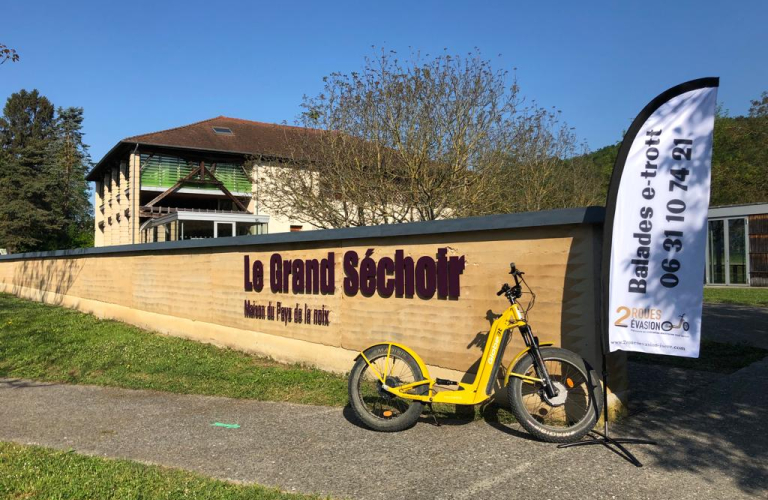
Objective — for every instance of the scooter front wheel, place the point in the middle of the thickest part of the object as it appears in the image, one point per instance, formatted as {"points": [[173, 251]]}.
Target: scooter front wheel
{"points": [[373, 405], [568, 416]]}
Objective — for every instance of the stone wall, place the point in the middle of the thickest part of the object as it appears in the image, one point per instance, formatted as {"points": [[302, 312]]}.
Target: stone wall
{"points": [[199, 289]]}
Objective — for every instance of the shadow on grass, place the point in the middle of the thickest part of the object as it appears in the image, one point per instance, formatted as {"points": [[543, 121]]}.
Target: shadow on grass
{"points": [[23, 384]]}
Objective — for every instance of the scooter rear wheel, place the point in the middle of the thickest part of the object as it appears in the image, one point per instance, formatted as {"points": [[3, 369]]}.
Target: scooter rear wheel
{"points": [[374, 406]]}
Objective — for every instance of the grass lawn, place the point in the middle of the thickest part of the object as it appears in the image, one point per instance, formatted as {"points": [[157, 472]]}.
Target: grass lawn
{"points": [[56, 344], [31, 472], [43, 342], [734, 295]]}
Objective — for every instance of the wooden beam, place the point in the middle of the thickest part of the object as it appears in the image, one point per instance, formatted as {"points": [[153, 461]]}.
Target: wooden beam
{"points": [[146, 162], [189, 179], [227, 192], [247, 175], [175, 187]]}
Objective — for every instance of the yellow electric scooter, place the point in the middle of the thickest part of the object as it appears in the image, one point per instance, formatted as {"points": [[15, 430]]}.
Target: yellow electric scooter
{"points": [[553, 393]]}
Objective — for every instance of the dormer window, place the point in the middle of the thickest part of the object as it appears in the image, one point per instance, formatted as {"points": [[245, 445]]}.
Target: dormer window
{"points": [[223, 130]]}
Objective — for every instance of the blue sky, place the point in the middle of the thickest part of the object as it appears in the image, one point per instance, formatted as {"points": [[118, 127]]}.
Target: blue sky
{"points": [[143, 66]]}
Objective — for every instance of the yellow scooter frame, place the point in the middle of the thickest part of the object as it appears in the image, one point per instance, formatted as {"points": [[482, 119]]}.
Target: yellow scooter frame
{"points": [[467, 394]]}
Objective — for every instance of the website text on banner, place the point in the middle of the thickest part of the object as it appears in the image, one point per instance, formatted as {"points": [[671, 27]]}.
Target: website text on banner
{"points": [[657, 217]]}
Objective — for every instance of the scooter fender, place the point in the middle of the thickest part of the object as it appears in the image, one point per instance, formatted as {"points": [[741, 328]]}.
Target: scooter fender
{"points": [[422, 366], [517, 358]]}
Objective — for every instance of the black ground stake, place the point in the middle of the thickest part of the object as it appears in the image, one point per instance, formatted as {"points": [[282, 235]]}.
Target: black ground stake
{"points": [[597, 437]]}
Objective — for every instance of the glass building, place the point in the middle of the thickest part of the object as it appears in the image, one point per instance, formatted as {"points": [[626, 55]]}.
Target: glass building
{"points": [[737, 245]]}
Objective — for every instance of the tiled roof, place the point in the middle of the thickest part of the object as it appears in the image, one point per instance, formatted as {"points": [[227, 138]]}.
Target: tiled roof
{"points": [[248, 138]]}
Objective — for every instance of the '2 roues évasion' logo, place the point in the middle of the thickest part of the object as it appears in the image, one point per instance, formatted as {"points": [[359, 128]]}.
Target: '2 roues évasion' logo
{"points": [[648, 318]]}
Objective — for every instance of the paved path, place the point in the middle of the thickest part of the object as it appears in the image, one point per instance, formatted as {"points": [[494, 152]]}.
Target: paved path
{"points": [[736, 324], [713, 445]]}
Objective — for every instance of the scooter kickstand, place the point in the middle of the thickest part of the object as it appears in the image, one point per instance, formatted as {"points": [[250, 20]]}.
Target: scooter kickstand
{"points": [[432, 412]]}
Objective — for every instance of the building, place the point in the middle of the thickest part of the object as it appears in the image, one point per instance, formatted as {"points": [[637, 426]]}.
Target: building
{"points": [[190, 182], [737, 245]]}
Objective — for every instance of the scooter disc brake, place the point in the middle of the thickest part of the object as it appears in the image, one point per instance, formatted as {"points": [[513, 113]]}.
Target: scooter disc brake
{"points": [[562, 394]]}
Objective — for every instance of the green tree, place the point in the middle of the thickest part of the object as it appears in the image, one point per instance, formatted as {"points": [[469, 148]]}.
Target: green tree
{"points": [[739, 157], [43, 192], [602, 162], [7, 54], [67, 165], [759, 107], [27, 128], [421, 139]]}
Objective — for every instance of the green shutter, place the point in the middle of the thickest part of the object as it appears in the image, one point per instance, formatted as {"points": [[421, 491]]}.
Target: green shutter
{"points": [[165, 171]]}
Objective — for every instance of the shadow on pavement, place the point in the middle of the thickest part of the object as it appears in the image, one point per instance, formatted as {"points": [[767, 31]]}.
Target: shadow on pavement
{"points": [[735, 324], [490, 414], [713, 432], [708, 423]]}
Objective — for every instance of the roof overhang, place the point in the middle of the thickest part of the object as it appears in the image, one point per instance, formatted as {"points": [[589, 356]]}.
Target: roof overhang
{"points": [[738, 210], [125, 146], [92, 175]]}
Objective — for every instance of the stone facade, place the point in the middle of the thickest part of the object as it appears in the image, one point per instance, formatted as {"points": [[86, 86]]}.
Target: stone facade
{"points": [[116, 221]]}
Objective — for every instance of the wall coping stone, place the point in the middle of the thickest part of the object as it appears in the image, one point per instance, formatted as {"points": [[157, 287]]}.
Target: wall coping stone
{"points": [[559, 217]]}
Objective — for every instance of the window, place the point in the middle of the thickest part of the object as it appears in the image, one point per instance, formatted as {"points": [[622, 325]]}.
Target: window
{"points": [[223, 229], [250, 228], [196, 230], [223, 130], [295, 229], [727, 256]]}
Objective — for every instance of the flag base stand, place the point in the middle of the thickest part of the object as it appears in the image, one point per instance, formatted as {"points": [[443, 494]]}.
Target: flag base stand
{"points": [[597, 437]]}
